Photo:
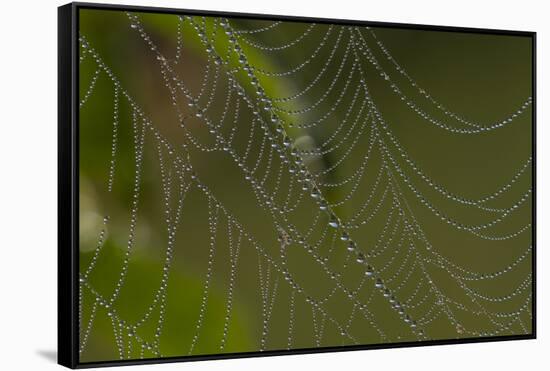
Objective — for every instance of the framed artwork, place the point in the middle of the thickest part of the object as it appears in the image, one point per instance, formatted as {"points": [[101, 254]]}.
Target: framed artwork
{"points": [[235, 185]]}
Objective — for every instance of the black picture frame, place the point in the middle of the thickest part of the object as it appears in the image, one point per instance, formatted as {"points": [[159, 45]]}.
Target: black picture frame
{"points": [[68, 183]]}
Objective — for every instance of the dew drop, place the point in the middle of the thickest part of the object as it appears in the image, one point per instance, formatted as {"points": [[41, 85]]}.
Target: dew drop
{"points": [[315, 193], [333, 221], [369, 271], [287, 142]]}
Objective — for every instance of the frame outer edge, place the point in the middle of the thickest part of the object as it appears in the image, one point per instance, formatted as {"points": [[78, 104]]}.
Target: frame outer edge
{"points": [[68, 185], [534, 183]]}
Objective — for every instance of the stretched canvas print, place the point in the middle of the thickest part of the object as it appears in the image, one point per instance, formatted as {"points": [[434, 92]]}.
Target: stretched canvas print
{"points": [[236, 185]]}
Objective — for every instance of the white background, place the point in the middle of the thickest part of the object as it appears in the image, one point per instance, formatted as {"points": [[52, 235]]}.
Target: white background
{"points": [[28, 183]]}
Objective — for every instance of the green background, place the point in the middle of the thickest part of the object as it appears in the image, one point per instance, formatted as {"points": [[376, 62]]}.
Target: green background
{"points": [[483, 77]]}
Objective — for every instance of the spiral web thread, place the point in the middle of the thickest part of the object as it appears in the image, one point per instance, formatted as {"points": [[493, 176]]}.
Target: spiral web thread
{"points": [[391, 271]]}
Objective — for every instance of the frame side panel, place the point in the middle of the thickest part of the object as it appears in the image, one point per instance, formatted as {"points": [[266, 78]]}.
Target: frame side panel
{"points": [[67, 332]]}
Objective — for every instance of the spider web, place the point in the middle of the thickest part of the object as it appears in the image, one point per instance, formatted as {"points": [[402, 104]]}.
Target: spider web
{"points": [[337, 242]]}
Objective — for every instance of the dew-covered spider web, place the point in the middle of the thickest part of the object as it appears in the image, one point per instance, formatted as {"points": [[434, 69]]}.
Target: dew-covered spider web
{"points": [[254, 185]]}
